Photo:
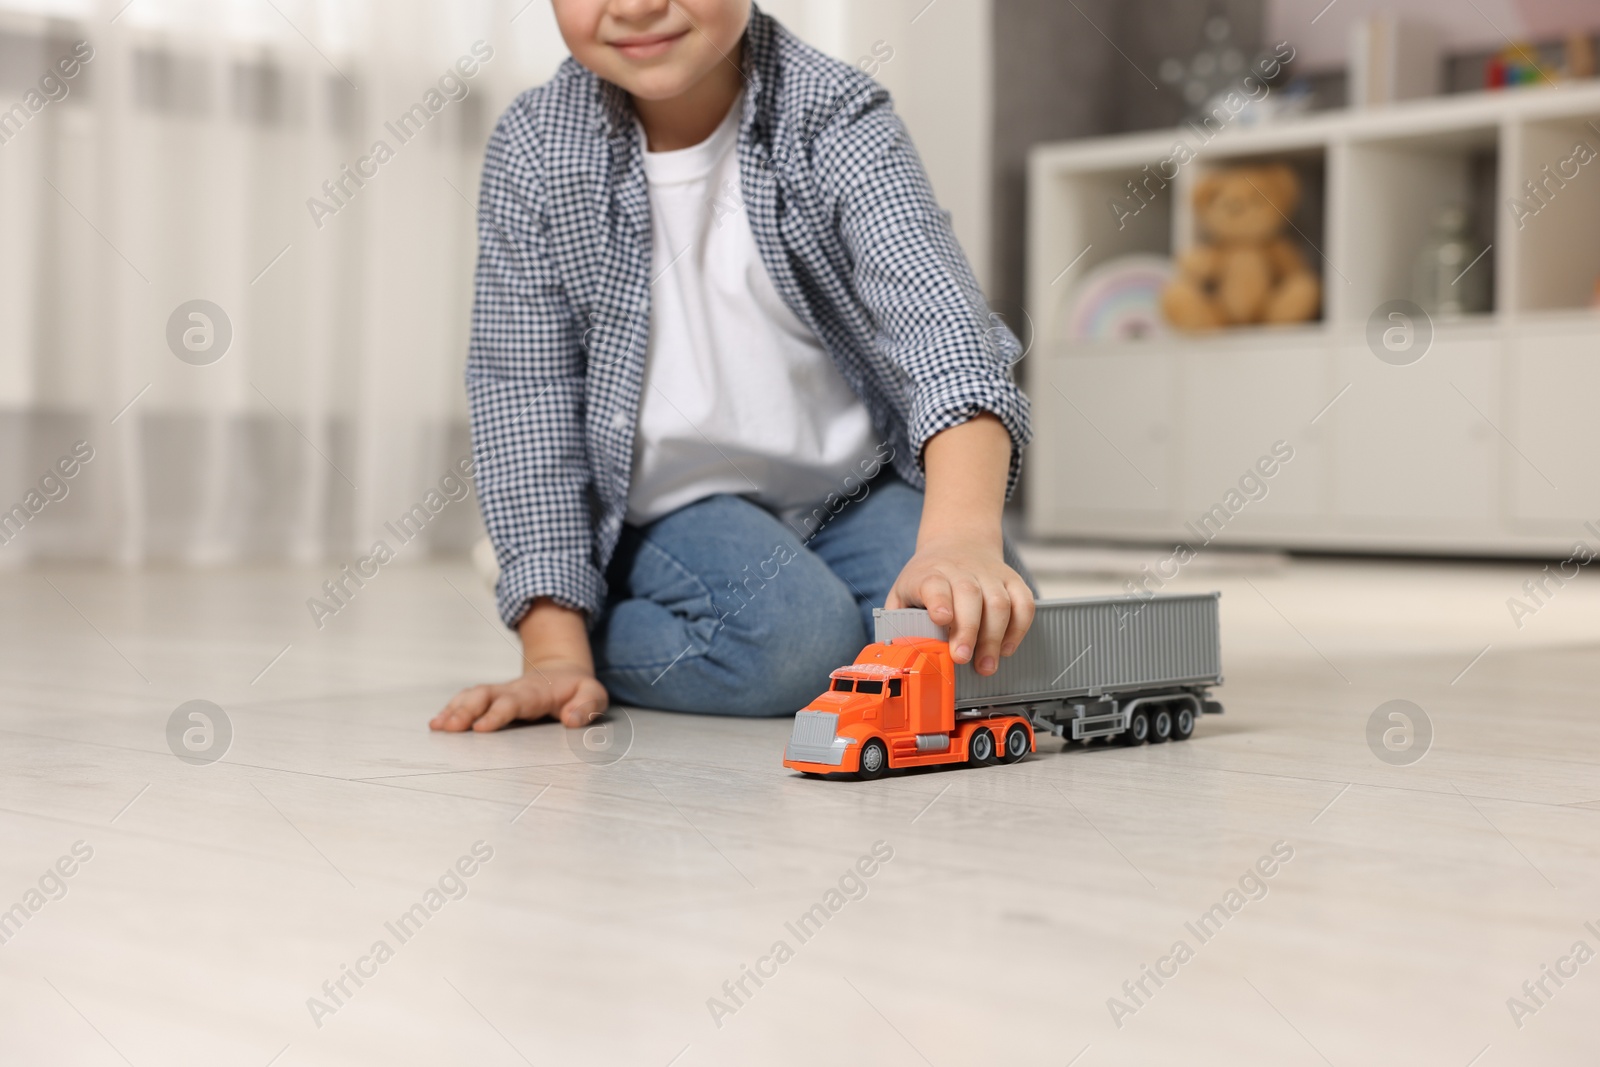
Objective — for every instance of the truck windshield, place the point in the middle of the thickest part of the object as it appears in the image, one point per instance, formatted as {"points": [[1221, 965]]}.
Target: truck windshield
{"points": [[865, 686], [842, 685]]}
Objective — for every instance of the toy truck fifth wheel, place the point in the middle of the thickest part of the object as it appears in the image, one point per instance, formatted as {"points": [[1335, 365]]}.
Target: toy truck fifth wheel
{"points": [[1136, 668]]}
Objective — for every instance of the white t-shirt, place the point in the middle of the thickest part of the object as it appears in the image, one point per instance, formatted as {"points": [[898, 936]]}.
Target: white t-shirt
{"points": [[739, 396]]}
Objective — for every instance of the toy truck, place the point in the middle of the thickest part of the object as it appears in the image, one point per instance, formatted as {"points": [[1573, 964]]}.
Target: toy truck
{"points": [[1135, 668]]}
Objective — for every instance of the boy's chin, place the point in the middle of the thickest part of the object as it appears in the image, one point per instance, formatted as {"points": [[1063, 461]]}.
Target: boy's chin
{"points": [[658, 83]]}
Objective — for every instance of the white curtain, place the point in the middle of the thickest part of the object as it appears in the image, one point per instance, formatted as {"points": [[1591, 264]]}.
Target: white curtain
{"points": [[176, 165]]}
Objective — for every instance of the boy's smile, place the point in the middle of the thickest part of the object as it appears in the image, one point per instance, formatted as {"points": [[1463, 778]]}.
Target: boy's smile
{"points": [[647, 45]]}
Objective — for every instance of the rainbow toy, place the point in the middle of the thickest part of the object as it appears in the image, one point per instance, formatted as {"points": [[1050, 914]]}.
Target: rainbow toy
{"points": [[1120, 300]]}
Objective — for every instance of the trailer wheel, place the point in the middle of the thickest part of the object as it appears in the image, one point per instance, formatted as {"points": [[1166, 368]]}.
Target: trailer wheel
{"points": [[874, 761], [1017, 744], [1161, 725], [1138, 731], [980, 747], [1183, 723]]}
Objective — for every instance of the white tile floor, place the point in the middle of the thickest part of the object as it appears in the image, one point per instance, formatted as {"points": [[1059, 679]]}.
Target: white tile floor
{"points": [[620, 898]]}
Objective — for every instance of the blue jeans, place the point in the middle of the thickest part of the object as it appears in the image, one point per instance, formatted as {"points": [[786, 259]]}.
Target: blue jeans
{"points": [[720, 607]]}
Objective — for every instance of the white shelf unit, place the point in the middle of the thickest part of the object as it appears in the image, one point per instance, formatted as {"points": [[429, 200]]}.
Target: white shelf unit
{"points": [[1486, 446]]}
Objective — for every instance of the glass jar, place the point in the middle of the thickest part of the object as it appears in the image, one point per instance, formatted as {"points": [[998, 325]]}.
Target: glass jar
{"points": [[1453, 273]]}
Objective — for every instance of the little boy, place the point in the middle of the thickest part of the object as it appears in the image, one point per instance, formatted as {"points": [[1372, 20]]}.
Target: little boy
{"points": [[732, 380]]}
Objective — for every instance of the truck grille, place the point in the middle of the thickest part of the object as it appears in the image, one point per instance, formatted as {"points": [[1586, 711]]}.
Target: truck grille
{"points": [[815, 728], [813, 739]]}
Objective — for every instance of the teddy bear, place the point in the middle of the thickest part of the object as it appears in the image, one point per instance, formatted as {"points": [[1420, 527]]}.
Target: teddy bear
{"points": [[1245, 270]]}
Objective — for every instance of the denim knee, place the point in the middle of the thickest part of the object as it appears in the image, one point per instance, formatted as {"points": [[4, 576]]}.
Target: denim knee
{"points": [[762, 645], [775, 652], [750, 670]]}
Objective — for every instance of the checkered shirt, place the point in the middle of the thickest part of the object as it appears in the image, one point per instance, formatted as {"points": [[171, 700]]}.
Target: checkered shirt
{"points": [[846, 224]]}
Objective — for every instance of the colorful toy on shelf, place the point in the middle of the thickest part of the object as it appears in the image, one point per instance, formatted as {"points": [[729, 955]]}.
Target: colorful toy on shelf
{"points": [[1245, 269], [1138, 667], [1515, 64]]}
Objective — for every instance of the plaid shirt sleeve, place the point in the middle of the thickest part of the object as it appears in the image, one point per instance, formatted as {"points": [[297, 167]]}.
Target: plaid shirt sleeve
{"points": [[932, 322], [525, 388]]}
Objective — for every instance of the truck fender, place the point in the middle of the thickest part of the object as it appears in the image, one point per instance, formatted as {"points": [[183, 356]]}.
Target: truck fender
{"points": [[859, 734], [1002, 727], [973, 726]]}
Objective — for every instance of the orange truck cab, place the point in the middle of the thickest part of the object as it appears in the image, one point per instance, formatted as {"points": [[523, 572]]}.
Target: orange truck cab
{"points": [[895, 706]]}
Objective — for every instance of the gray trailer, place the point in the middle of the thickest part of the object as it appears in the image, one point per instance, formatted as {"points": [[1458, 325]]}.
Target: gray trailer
{"points": [[1140, 667]]}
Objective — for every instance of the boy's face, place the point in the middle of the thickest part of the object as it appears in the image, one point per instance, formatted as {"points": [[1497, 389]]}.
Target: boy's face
{"points": [[655, 49]]}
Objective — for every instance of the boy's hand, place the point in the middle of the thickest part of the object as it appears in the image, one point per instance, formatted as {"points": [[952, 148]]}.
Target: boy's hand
{"points": [[959, 572], [966, 585], [557, 678], [568, 691]]}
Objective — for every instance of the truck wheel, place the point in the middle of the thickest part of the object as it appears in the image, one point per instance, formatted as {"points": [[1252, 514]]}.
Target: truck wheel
{"points": [[1138, 731], [874, 761], [1160, 726], [1016, 744], [980, 747], [1183, 723]]}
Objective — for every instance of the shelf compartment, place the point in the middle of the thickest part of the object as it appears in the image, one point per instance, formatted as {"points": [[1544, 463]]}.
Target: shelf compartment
{"points": [[1552, 206], [1395, 190], [1083, 218], [1307, 223]]}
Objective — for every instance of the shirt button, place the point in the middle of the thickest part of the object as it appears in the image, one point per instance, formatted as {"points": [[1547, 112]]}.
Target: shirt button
{"points": [[619, 420]]}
